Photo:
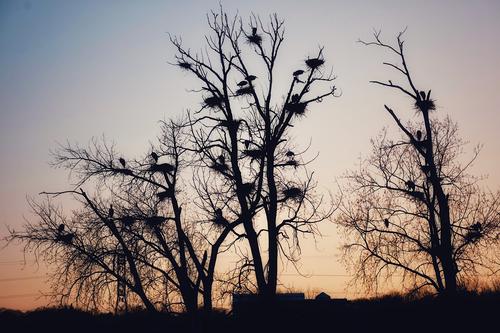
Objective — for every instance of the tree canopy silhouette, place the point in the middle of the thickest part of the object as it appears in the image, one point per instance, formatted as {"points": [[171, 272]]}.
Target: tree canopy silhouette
{"points": [[254, 175], [225, 177], [413, 209]]}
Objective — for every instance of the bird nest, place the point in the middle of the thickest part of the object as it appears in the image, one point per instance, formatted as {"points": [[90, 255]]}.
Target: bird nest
{"points": [[296, 108], [232, 124], [164, 167], [314, 63], [219, 221], [254, 39], [425, 105], [184, 65], [293, 163], [65, 238], [165, 195], [253, 153], [244, 91], [155, 220], [126, 172], [293, 193], [213, 102], [219, 167], [127, 220], [247, 188]]}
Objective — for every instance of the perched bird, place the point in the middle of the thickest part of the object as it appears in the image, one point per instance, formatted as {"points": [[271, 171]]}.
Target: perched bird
{"points": [[111, 211], [386, 223], [154, 156], [221, 159], [60, 228], [410, 185], [250, 78], [422, 94], [298, 72], [242, 83], [419, 135], [295, 98], [477, 227], [290, 153], [122, 161], [254, 31], [247, 143]]}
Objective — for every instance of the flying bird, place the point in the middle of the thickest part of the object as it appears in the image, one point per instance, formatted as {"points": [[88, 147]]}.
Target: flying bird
{"points": [[122, 161]]}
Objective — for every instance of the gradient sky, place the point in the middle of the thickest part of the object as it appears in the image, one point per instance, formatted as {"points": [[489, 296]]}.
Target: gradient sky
{"points": [[78, 69]]}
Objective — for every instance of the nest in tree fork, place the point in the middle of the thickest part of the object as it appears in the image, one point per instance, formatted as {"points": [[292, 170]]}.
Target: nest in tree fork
{"points": [[213, 102], [255, 39], [293, 193], [184, 65], [65, 238], [127, 172], [425, 105], [253, 153], [127, 220], [155, 220], [247, 188], [219, 167], [164, 167], [314, 63], [248, 90], [231, 124], [219, 221], [296, 108], [165, 194]]}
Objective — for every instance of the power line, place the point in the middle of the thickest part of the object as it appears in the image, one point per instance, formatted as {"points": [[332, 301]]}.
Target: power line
{"points": [[23, 278], [19, 295], [311, 275], [11, 262]]}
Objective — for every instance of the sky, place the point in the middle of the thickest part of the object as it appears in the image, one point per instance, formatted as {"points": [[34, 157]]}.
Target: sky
{"points": [[73, 70]]}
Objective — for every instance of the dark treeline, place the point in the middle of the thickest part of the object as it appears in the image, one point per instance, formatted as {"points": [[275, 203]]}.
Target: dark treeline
{"points": [[470, 313]]}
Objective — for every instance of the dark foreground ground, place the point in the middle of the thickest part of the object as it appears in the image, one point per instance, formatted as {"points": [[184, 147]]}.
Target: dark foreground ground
{"points": [[472, 313]]}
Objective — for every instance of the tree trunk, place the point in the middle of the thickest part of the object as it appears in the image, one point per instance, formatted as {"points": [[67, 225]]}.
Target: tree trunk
{"points": [[446, 246]]}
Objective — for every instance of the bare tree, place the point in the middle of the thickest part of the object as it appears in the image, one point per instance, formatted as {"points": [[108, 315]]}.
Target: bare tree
{"points": [[135, 214], [414, 210], [241, 135]]}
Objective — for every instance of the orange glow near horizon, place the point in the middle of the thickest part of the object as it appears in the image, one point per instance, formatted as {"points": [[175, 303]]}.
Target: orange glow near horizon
{"points": [[76, 70]]}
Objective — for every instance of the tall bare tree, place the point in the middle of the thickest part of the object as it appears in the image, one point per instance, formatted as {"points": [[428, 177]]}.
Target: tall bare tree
{"points": [[241, 133], [413, 208]]}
